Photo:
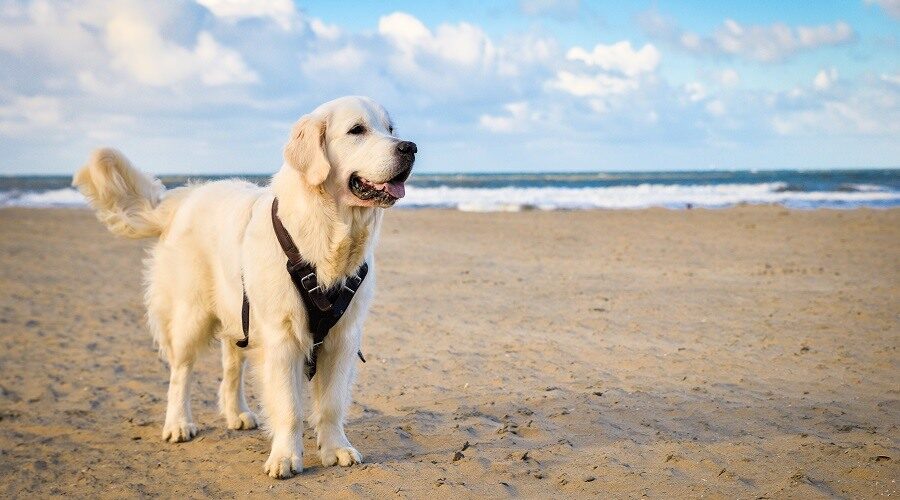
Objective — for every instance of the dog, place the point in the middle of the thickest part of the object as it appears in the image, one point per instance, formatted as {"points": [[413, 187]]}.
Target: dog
{"points": [[343, 166]]}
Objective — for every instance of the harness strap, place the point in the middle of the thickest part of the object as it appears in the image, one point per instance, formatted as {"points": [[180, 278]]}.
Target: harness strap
{"points": [[245, 320], [324, 308]]}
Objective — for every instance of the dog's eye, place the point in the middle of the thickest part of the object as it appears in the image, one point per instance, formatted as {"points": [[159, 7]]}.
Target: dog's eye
{"points": [[357, 129], [391, 130]]}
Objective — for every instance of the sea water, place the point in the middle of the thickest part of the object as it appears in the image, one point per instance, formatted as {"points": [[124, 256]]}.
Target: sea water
{"points": [[573, 191]]}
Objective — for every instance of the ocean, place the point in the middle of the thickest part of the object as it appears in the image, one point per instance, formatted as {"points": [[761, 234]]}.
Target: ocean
{"points": [[804, 189]]}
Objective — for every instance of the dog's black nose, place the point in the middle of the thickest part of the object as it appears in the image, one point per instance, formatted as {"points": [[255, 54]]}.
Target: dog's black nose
{"points": [[407, 148]]}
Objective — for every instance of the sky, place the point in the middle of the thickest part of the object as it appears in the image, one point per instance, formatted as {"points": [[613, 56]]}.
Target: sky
{"points": [[213, 86]]}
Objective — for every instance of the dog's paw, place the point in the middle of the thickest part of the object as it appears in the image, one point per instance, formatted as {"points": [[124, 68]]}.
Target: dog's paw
{"points": [[344, 457], [179, 432], [243, 421], [283, 466]]}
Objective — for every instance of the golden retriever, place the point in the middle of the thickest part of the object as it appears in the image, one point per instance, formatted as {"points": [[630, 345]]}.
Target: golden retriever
{"points": [[343, 165]]}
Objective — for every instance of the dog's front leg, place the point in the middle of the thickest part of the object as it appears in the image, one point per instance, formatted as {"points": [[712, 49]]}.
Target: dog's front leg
{"points": [[336, 368], [283, 384]]}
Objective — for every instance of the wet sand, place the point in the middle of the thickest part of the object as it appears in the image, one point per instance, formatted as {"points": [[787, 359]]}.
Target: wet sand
{"points": [[749, 352]]}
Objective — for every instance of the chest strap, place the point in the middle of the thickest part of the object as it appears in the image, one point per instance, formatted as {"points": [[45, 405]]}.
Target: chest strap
{"points": [[324, 308]]}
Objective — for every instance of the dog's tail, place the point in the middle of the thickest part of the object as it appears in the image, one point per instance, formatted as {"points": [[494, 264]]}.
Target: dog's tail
{"points": [[130, 202]]}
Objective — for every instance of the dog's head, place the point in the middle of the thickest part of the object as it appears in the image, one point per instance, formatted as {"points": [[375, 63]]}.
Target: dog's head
{"points": [[348, 147]]}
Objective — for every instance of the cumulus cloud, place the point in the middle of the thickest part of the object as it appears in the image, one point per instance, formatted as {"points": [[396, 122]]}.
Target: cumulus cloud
{"points": [[282, 12], [600, 85], [695, 91], [25, 114], [870, 108], [450, 60], [715, 108], [824, 79], [518, 116], [619, 57], [462, 44], [764, 43], [97, 38], [728, 77], [139, 50], [143, 75], [606, 74]]}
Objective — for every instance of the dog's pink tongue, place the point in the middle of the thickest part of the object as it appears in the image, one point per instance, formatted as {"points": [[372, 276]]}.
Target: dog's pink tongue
{"points": [[396, 189]]}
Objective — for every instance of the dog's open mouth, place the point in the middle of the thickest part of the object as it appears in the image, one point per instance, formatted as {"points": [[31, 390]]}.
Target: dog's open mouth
{"points": [[383, 194]]}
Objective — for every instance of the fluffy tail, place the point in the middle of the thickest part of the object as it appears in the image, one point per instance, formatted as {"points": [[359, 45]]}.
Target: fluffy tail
{"points": [[128, 201]]}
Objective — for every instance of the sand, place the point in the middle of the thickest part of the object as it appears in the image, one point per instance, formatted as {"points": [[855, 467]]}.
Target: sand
{"points": [[749, 352]]}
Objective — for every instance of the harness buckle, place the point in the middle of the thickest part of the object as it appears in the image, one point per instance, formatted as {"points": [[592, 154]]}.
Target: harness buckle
{"points": [[309, 282], [352, 283]]}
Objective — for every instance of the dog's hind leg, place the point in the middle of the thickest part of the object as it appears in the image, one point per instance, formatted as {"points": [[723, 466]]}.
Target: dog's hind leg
{"points": [[189, 331], [231, 392]]}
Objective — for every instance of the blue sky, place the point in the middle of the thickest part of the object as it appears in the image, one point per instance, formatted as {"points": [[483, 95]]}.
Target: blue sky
{"points": [[212, 86]]}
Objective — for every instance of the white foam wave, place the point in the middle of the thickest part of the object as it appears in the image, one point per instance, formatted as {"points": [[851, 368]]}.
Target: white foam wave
{"points": [[65, 197], [641, 196], [866, 187], [558, 198]]}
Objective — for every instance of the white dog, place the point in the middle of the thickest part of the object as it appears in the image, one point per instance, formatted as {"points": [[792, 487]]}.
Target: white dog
{"points": [[342, 166]]}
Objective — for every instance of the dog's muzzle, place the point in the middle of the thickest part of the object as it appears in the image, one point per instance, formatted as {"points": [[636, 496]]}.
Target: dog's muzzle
{"points": [[386, 193]]}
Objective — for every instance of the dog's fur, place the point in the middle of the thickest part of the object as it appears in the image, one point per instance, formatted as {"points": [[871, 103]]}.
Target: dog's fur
{"points": [[214, 234]]}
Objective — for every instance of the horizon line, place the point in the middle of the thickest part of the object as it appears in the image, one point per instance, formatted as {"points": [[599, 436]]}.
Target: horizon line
{"points": [[517, 172]]}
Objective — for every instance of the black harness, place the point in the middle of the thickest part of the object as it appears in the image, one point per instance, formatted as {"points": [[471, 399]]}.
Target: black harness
{"points": [[324, 308]]}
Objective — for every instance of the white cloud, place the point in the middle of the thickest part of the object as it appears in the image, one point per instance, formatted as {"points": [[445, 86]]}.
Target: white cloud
{"points": [[138, 49], [345, 60], [764, 43], [85, 40], [892, 7], [599, 85], [323, 30], [728, 78], [715, 108], [51, 31], [606, 74], [825, 79], [619, 57], [24, 114], [282, 12], [777, 41], [871, 107], [462, 44], [696, 91], [144, 75], [220, 65], [456, 60], [833, 117], [517, 118]]}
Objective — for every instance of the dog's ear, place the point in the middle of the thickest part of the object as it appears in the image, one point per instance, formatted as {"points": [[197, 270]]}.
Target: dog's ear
{"points": [[305, 150]]}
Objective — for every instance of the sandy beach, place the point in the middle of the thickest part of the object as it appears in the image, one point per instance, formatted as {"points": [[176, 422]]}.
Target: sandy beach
{"points": [[749, 352]]}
